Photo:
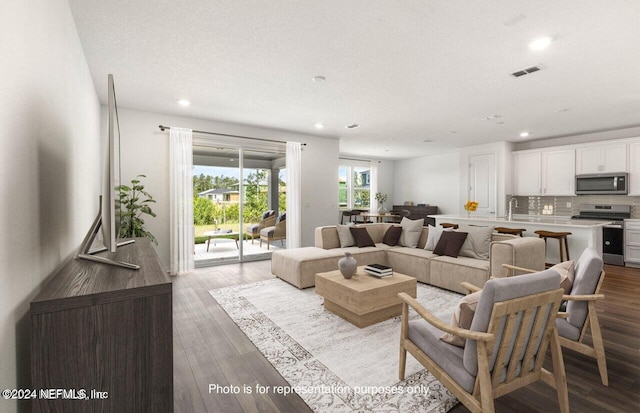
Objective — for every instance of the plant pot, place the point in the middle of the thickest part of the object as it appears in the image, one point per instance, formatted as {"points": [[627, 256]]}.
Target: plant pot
{"points": [[347, 265]]}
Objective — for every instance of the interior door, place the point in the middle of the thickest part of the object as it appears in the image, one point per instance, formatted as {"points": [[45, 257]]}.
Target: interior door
{"points": [[482, 183]]}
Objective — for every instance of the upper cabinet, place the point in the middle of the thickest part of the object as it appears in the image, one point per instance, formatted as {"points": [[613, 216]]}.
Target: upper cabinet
{"points": [[544, 172], [527, 176], [601, 158], [634, 168]]}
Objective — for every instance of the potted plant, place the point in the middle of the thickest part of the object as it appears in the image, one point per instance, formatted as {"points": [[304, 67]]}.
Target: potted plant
{"points": [[381, 198], [134, 203]]}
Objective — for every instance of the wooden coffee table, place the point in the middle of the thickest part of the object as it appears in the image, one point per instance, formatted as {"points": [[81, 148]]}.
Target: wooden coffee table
{"points": [[364, 300]]}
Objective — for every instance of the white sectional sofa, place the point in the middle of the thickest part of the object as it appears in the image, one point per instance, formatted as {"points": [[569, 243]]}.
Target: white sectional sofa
{"points": [[299, 266]]}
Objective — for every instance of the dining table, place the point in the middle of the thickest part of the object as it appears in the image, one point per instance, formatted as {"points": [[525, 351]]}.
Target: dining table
{"points": [[380, 217]]}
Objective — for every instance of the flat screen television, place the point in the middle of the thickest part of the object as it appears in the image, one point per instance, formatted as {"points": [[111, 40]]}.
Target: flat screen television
{"points": [[108, 218]]}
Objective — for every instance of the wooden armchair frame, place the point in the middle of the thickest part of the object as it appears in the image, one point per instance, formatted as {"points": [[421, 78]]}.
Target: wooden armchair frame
{"points": [[489, 385], [597, 350]]}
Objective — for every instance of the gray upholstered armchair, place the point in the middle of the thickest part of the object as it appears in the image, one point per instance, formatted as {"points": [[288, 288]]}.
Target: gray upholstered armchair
{"points": [[276, 232], [268, 220], [581, 309], [513, 326]]}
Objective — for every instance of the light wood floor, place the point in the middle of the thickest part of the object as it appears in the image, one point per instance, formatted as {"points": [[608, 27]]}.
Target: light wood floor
{"points": [[209, 349]]}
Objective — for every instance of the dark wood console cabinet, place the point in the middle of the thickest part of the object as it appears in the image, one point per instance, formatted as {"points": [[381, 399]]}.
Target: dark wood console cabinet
{"points": [[417, 212], [105, 329]]}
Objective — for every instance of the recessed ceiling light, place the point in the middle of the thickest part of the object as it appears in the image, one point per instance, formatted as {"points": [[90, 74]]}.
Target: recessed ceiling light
{"points": [[540, 43], [524, 134], [318, 78], [319, 125], [352, 126], [184, 102]]}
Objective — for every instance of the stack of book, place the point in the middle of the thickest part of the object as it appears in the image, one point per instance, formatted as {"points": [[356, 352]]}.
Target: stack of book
{"points": [[378, 270]]}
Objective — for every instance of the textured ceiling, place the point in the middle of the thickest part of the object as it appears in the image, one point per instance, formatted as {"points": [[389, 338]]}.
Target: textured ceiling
{"points": [[406, 70]]}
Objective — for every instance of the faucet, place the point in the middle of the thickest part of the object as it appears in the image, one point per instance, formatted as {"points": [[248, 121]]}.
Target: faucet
{"points": [[510, 217]]}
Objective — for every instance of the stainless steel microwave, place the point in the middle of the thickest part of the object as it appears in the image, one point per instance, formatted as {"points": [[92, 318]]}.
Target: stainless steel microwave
{"points": [[606, 184]]}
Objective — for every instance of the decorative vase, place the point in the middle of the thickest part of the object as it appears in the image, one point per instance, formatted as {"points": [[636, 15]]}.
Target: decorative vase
{"points": [[347, 265], [382, 209]]}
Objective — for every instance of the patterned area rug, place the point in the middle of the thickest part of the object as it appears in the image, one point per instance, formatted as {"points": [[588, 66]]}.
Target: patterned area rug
{"points": [[333, 365]]}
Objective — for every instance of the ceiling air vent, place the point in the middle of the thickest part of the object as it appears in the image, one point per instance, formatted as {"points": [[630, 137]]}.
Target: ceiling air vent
{"points": [[526, 71]]}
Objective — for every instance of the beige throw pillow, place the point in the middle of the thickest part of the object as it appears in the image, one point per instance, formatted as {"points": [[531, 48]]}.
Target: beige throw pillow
{"points": [[433, 236], [566, 271], [477, 243], [411, 230], [462, 317], [345, 236]]}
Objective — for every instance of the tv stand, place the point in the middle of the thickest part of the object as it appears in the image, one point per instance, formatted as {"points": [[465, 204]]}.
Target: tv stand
{"points": [[105, 328]]}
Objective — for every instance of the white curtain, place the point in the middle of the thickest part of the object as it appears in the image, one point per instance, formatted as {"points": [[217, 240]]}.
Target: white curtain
{"points": [[181, 201], [373, 176], [294, 196]]}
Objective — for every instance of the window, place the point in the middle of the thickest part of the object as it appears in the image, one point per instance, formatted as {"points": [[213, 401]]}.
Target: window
{"points": [[354, 187]]}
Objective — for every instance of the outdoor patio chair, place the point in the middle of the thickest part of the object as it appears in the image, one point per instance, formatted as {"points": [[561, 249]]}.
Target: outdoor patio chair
{"points": [[268, 220], [513, 325], [581, 310], [276, 232]]}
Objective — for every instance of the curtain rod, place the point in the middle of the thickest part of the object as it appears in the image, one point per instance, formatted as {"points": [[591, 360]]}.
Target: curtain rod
{"points": [[162, 128]]}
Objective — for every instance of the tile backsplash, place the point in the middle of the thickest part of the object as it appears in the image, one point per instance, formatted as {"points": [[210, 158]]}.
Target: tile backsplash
{"points": [[570, 205]]}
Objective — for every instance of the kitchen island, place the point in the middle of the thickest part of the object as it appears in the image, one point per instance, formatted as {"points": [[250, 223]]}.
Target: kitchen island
{"points": [[584, 233]]}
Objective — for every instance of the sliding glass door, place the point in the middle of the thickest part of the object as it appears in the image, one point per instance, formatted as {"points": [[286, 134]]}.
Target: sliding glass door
{"points": [[238, 195]]}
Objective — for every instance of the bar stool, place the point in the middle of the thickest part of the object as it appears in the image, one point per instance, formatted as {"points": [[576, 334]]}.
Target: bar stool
{"points": [[448, 225], [512, 231], [559, 236]]}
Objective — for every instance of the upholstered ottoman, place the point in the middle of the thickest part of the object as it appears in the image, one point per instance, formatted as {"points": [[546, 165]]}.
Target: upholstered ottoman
{"points": [[299, 266]]}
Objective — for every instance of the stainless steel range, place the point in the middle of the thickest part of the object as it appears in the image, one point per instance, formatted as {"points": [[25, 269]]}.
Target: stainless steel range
{"points": [[612, 234]]}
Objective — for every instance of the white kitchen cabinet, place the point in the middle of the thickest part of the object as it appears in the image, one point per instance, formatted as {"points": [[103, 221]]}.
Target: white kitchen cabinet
{"points": [[601, 158], [545, 172], [634, 168], [558, 172], [632, 242], [527, 168]]}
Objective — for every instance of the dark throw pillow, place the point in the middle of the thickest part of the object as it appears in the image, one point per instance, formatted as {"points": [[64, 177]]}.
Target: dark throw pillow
{"points": [[362, 237], [450, 243], [392, 236]]}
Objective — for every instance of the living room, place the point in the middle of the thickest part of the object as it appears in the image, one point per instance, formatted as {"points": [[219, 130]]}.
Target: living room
{"points": [[53, 119]]}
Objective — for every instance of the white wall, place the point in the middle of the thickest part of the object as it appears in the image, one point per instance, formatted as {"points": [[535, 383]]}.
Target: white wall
{"points": [[432, 179], [145, 150], [49, 165]]}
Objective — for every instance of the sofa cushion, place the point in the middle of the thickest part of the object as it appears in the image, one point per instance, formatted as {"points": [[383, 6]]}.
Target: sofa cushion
{"points": [[298, 266], [345, 236], [411, 230], [450, 243], [478, 241], [362, 237], [411, 261], [267, 232], [448, 357], [392, 236], [447, 272]]}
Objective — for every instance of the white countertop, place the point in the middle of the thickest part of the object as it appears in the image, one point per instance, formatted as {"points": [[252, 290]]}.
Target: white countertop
{"points": [[529, 219]]}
